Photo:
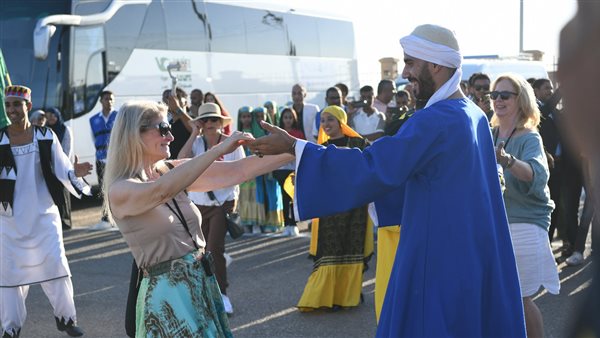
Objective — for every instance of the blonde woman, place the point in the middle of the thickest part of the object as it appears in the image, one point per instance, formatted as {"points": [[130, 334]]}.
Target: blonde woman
{"points": [[144, 194], [519, 150]]}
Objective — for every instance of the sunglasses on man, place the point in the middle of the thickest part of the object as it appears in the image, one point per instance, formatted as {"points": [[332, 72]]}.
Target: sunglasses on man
{"points": [[479, 88], [504, 95], [164, 128]]}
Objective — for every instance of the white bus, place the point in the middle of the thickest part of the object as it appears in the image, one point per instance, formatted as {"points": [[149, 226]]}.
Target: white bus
{"points": [[245, 53]]}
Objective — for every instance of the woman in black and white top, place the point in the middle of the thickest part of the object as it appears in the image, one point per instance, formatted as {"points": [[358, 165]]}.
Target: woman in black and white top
{"points": [[207, 131]]}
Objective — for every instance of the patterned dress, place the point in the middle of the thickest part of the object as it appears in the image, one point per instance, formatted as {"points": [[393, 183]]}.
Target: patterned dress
{"points": [[341, 245]]}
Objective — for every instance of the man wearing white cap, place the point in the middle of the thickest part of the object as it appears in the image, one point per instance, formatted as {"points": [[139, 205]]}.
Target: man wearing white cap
{"points": [[33, 171], [454, 273]]}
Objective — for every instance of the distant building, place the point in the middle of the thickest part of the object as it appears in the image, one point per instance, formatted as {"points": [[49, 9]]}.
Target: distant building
{"points": [[389, 68]]}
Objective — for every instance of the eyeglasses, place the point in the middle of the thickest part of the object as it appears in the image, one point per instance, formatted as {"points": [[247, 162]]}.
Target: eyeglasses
{"points": [[504, 95], [211, 119], [164, 128], [479, 88]]}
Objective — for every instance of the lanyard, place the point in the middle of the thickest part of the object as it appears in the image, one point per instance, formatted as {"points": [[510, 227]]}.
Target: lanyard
{"points": [[181, 218], [497, 131]]}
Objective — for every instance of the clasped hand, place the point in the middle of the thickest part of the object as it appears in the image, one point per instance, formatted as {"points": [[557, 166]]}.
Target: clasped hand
{"points": [[232, 142], [278, 141]]}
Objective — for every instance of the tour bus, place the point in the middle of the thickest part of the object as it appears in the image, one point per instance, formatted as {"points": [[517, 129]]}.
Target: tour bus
{"points": [[68, 51]]}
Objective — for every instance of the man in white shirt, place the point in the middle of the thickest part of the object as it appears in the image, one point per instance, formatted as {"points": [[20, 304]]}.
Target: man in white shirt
{"points": [[306, 111], [386, 89], [368, 121]]}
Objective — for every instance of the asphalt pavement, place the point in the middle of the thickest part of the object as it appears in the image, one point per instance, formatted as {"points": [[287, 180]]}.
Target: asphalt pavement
{"points": [[266, 279]]}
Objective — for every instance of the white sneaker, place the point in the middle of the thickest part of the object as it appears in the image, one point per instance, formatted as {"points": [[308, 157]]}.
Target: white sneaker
{"points": [[291, 231], [103, 226], [227, 304], [575, 259], [228, 259]]}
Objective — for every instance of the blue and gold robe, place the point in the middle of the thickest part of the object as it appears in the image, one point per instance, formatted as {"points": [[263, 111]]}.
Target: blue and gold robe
{"points": [[454, 273]]}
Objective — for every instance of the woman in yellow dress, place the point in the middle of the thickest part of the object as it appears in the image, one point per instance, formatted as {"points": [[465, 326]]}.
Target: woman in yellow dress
{"points": [[341, 244]]}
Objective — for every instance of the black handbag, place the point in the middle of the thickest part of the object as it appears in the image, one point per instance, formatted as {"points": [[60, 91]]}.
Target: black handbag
{"points": [[234, 226], [234, 221]]}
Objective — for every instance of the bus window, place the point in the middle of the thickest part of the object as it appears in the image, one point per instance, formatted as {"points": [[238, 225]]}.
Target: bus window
{"points": [[186, 25], [94, 80], [336, 38], [122, 32], [265, 32], [87, 43], [303, 35], [153, 34], [226, 28]]}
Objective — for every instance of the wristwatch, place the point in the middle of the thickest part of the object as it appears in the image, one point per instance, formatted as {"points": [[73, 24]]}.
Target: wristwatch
{"points": [[511, 161]]}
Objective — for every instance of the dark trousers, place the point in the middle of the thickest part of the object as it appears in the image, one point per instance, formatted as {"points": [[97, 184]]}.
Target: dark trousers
{"points": [[214, 228], [570, 196], [65, 210], [554, 183], [288, 204], [587, 215], [100, 173]]}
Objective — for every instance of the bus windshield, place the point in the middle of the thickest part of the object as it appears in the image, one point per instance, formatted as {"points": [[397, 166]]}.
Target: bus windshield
{"points": [[45, 78]]}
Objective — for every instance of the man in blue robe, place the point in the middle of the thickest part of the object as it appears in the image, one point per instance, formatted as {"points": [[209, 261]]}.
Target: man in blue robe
{"points": [[454, 273]]}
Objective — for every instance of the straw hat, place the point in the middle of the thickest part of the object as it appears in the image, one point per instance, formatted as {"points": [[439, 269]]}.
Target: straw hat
{"points": [[212, 110]]}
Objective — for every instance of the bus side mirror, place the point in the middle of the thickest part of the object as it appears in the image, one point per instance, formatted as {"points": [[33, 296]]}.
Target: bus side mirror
{"points": [[41, 41]]}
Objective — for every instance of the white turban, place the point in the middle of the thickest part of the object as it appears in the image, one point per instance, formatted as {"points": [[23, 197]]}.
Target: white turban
{"points": [[437, 45]]}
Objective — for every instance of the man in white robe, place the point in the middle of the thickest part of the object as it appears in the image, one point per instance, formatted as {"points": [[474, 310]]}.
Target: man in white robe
{"points": [[32, 250]]}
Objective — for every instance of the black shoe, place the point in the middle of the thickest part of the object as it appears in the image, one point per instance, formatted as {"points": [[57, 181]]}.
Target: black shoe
{"points": [[69, 327], [567, 250], [15, 334]]}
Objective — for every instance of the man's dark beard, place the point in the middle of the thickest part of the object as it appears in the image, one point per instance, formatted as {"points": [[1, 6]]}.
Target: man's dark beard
{"points": [[426, 85]]}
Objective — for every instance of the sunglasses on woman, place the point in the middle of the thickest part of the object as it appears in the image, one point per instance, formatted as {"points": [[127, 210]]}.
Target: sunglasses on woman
{"points": [[211, 119], [164, 128], [504, 95]]}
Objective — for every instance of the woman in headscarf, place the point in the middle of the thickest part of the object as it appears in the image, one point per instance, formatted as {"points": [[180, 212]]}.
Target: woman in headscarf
{"points": [[248, 209], [268, 193], [272, 111], [341, 244], [55, 121]]}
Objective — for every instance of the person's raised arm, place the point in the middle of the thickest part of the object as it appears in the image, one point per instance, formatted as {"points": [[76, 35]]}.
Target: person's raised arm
{"points": [[225, 174], [186, 150], [179, 113], [132, 197]]}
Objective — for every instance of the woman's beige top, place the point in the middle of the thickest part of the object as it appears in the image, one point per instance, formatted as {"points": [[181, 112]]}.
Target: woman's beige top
{"points": [[157, 235]]}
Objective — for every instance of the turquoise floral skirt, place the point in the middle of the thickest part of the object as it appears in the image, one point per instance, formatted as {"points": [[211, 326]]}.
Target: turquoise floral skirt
{"points": [[178, 299]]}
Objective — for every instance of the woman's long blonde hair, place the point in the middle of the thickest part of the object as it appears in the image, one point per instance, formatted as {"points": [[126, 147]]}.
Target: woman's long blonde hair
{"points": [[528, 114], [125, 157]]}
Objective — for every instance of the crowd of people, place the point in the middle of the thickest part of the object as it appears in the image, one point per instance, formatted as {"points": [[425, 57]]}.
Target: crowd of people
{"points": [[498, 151]]}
